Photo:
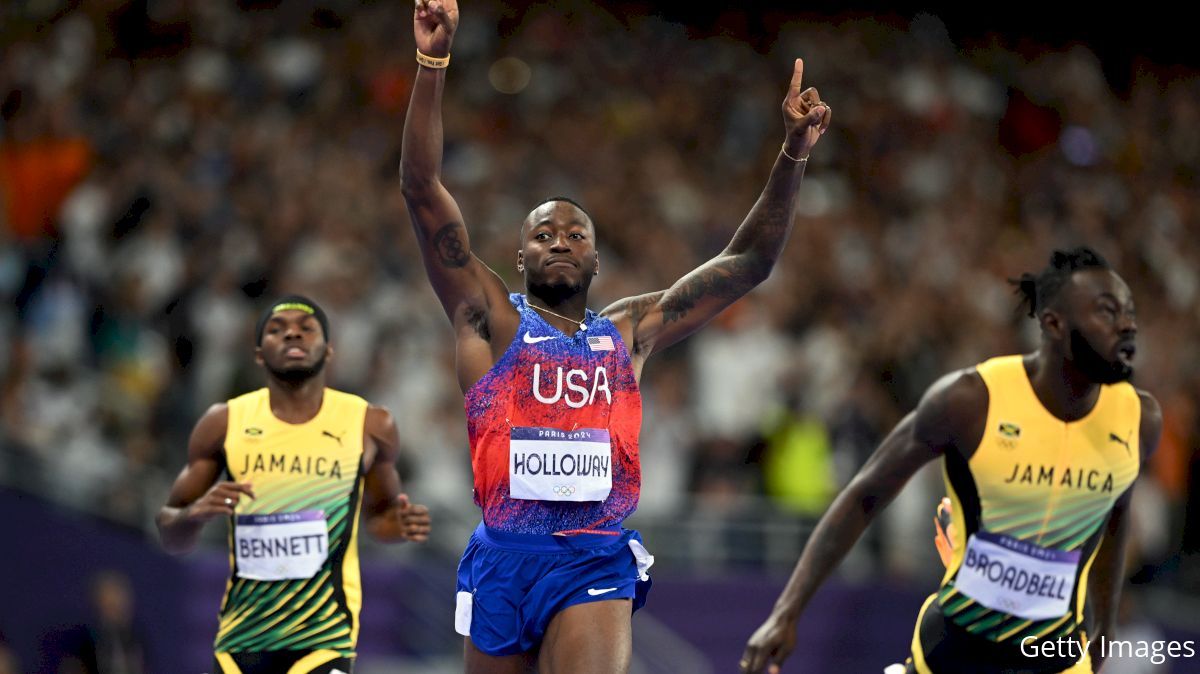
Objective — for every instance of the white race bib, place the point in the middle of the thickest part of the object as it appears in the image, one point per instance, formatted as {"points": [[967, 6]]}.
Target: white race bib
{"points": [[546, 464], [1017, 577], [281, 546]]}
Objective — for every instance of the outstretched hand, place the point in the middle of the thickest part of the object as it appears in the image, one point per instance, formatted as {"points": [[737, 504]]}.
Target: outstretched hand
{"points": [[769, 646], [434, 23], [805, 115]]}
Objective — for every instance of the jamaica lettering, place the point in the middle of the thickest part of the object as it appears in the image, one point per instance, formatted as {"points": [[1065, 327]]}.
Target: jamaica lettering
{"points": [[296, 465]]}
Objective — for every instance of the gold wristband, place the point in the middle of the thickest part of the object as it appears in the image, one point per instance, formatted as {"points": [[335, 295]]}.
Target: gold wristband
{"points": [[432, 61], [798, 160]]}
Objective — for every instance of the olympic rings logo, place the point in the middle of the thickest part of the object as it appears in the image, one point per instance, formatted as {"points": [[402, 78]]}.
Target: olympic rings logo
{"points": [[564, 490]]}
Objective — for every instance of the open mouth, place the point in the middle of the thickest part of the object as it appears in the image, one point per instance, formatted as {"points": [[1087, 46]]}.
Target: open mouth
{"points": [[1126, 352], [295, 352]]}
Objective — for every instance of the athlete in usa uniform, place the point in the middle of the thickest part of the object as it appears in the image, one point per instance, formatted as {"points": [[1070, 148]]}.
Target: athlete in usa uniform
{"points": [[551, 393]]}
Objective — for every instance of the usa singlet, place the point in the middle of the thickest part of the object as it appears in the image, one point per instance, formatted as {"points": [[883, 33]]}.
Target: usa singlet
{"points": [[553, 428], [294, 582], [1033, 501]]}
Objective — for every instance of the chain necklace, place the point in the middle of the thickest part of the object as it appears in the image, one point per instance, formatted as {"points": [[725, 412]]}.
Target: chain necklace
{"points": [[579, 323]]}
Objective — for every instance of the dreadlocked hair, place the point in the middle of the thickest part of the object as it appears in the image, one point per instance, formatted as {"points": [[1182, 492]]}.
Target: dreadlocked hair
{"points": [[1037, 291]]}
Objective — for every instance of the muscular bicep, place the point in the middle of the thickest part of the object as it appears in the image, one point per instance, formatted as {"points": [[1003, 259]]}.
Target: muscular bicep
{"points": [[382, 480], [660, 319], [897, 459], [206, 458], [937, 426], [1151, 426], [463, 283]]}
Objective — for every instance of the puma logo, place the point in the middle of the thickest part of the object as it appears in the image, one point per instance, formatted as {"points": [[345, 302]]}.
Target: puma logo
{"points": [[335, 437], [1116, 438]]}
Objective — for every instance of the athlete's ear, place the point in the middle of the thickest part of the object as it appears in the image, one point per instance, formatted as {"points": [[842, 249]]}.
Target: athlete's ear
{"points": [[258, 357], [328, 352], [520, 261], [1052, 324], [596, 264]]}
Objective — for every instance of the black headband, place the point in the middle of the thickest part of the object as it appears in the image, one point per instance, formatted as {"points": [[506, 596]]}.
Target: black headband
{"points": [[291, 303]]}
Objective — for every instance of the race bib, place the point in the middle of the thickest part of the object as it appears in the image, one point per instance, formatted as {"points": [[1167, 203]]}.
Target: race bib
{"points": [[281, 546], [1017, 577], [546, 464]]}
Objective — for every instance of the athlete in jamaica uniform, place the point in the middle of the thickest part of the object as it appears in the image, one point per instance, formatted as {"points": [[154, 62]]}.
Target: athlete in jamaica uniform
{"points": [[300, 462], [551, 387], [1039, 454]]}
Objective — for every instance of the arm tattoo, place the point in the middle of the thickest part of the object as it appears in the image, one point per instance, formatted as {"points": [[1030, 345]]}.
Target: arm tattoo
{"points": [[727, 281], [450, 250], [638, 308]]}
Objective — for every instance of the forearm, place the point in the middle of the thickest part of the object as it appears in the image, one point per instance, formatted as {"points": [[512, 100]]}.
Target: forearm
{"points": [[421, 153], [762, 235], [835, 534], [386, 527], [178, 533]]}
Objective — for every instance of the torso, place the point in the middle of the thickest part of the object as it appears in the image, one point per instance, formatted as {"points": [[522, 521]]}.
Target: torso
{"points": [[553, 427], [1033, 498], [294, 580]]}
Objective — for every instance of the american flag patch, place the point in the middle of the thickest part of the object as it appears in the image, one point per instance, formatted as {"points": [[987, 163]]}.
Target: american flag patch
{"points": [[602, 343]]}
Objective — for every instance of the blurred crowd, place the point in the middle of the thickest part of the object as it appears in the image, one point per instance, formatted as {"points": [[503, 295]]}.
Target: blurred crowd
{"points": [[167, 167]]}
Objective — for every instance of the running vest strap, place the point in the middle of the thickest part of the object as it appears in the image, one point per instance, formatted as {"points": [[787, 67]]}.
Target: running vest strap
{"points": [[1033, 500], [294, 581]]}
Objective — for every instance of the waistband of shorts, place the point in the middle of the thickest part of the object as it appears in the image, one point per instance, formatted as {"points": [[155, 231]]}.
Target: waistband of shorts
{"points": [[509, 540]]}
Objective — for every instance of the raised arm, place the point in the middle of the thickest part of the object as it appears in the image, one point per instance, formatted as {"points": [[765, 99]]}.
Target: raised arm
{"points": [[465, 286], [942, 422], [1107, 576], [197, 496], [659, 319], [390, 517]]}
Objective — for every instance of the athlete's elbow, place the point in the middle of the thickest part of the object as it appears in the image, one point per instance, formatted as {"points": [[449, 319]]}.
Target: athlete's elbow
{"points": [[415, 184]]}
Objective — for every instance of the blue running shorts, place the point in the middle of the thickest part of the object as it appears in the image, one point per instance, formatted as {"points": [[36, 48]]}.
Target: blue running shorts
{"points": [[511, 585]]}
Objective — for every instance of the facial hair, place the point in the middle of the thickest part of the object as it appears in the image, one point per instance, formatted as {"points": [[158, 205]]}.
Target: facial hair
{"points": [[296, 375], [1095, 366], [555, 293]]}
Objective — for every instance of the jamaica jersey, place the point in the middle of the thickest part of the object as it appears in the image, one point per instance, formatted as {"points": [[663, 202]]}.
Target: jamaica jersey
{"points": [[294, 581], [1034, 499], [553, 427]]}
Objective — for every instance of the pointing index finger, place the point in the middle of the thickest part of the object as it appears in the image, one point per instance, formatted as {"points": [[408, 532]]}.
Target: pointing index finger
{"points": [[797, 76]]}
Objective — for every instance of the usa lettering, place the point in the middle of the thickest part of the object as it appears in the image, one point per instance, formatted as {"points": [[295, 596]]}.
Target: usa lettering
{"points": [[286, 546], [579, 392], [545, 463], [1015, 579]]}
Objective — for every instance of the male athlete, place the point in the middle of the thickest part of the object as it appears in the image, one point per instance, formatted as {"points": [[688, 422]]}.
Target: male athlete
{"points": [[1039, 453], [297, 456], [551, 387]]}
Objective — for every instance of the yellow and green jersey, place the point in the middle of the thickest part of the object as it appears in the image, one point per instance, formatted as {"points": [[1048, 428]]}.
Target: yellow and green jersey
{"points": [[1033, 500], [294, 576]]}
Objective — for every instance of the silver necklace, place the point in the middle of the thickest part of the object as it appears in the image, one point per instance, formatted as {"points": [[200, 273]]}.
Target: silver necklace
{"points": [[579, 323]]}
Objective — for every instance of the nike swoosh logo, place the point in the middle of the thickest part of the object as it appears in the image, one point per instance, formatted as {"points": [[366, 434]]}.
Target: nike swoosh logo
{"points": [[530, 339], [594, 592]]}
